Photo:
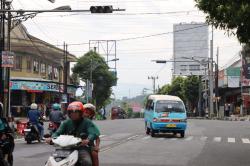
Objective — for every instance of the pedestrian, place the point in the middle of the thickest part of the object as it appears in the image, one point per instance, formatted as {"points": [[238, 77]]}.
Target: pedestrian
{"points": [[226, 109]]}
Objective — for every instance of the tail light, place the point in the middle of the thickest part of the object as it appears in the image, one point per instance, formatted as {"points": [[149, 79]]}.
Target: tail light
{"points": [[164, 120]]}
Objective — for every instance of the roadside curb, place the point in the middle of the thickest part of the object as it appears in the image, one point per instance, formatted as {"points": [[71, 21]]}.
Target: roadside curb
{"points": [[223, 119]]}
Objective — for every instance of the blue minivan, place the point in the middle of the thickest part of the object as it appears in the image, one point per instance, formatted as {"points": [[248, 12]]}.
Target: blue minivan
{"points": [[165, 113]]}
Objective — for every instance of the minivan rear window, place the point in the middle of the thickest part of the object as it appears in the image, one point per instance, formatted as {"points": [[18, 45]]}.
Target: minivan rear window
{"points": [[169, 106]]}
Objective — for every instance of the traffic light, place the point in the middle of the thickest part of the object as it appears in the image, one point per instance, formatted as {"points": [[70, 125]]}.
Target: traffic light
{"points": [[101, 9]]}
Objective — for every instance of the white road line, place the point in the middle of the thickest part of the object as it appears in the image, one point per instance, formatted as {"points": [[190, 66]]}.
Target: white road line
{"points": [[217, 139], [173, 139], [189, 138], [203, 138], [231, 140], [245, 141], [161, 139], [132, 137], [102, 136], [147, 137]]}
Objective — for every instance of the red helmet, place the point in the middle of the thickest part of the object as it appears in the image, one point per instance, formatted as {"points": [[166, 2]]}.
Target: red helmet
{"points": [[75, 106]]}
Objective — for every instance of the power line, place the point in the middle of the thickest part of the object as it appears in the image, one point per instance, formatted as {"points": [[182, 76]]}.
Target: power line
{"points": [[125, 14]]}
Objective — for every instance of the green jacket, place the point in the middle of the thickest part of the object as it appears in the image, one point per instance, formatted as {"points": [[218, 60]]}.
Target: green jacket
{"points": [[69, 127]]}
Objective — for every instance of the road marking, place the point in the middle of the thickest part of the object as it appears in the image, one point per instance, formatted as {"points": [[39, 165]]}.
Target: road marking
{"points": [[161, 139], [245, 141], [132, 137], [217, 139], [147, 137], [173, 139], [102, 136], [189, 138], [203, 138], [231, 140]]}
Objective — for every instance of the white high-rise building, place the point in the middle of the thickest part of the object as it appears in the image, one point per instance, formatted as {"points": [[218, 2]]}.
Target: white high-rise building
{"points": [[190, 48]]}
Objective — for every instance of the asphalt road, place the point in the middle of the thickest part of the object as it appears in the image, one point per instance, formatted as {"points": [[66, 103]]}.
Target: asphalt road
{"points": [[124, 143]]}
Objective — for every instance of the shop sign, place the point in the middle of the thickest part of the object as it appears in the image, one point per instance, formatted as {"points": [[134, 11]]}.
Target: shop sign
{"points": [[37, 86], [246, 70], [7, 59]]}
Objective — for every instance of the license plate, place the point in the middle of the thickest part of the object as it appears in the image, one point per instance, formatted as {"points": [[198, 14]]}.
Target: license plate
{"points": [[171, 125], [27, 130]]}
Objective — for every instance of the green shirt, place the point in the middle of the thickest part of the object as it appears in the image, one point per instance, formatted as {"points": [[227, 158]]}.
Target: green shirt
{"points": [[69, 127]]}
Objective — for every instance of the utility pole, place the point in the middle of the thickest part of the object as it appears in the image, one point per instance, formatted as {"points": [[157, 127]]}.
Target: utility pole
{"points": [[65, 71], [211, 87], [2, 48], [153, 78], [216, 83], [7, 84]]}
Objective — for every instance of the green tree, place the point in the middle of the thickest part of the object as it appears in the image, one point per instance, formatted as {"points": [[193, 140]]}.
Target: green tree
{"points": [[175, 88], [191, 90], [102, 78], [230, 15]]}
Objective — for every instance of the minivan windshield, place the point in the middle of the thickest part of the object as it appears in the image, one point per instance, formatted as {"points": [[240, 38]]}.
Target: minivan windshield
{"points": [[169, 106]]}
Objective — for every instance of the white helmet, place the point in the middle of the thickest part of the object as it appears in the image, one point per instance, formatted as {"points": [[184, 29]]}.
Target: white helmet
{"points": [[90, 106], [33, 106]]}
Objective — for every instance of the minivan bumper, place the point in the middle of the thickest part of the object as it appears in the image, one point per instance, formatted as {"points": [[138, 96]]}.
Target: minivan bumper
{"points": [[164, 126]]}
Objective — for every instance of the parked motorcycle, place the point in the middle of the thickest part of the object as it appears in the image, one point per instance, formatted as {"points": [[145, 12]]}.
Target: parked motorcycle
{"points": [[31, 133], [67, 152]]}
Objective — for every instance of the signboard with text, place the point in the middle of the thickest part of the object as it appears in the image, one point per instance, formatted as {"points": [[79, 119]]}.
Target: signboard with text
{"points": [[36, 86], [7, 59]]}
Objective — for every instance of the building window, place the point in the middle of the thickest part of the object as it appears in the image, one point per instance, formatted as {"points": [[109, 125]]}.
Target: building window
{"points": [[17, 63], [35, 66], [29, 64], [43, 68], [55, 73], [194, 67], [50, 71], [183, 67]]}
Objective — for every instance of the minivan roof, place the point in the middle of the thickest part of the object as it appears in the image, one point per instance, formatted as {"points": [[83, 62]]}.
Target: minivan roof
{"points": [[164, 97]]}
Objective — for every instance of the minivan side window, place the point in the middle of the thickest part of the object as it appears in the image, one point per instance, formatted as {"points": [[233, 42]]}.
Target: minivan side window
{"points": [[148, 105]]}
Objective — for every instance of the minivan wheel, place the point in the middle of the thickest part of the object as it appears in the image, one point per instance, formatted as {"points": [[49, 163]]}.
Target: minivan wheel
{"points": [[182, 134], [152, 133]]}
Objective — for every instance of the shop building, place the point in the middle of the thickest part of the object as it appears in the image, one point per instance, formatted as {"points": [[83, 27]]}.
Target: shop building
{"points": [[37, 75]]}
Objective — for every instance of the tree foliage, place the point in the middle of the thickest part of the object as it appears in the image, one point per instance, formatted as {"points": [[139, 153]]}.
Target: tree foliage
{"points": [[102, 78], [229, 15], [175, 88], [185, 88], [191, 90]]}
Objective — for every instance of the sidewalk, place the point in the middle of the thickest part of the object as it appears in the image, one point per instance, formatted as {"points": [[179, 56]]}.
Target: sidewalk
{"points": [[231, 118]]}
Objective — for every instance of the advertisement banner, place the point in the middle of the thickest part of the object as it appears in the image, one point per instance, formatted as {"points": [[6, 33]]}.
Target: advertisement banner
{"points": [[32, 86], [246, 69], [7, 59], [233, 81]]}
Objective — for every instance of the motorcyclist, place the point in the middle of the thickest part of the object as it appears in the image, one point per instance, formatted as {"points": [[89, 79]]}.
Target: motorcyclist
{"points": [[56, 116], [6, 141], [34, 116], [89, 112], [77, 125]]}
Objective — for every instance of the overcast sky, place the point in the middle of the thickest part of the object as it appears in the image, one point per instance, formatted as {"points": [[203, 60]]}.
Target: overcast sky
{"points": [[141, 18]]}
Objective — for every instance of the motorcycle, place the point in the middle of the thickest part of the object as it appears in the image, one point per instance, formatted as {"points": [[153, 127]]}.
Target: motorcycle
{"points": [[6, 150], [67, 152], [31, 133]]}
